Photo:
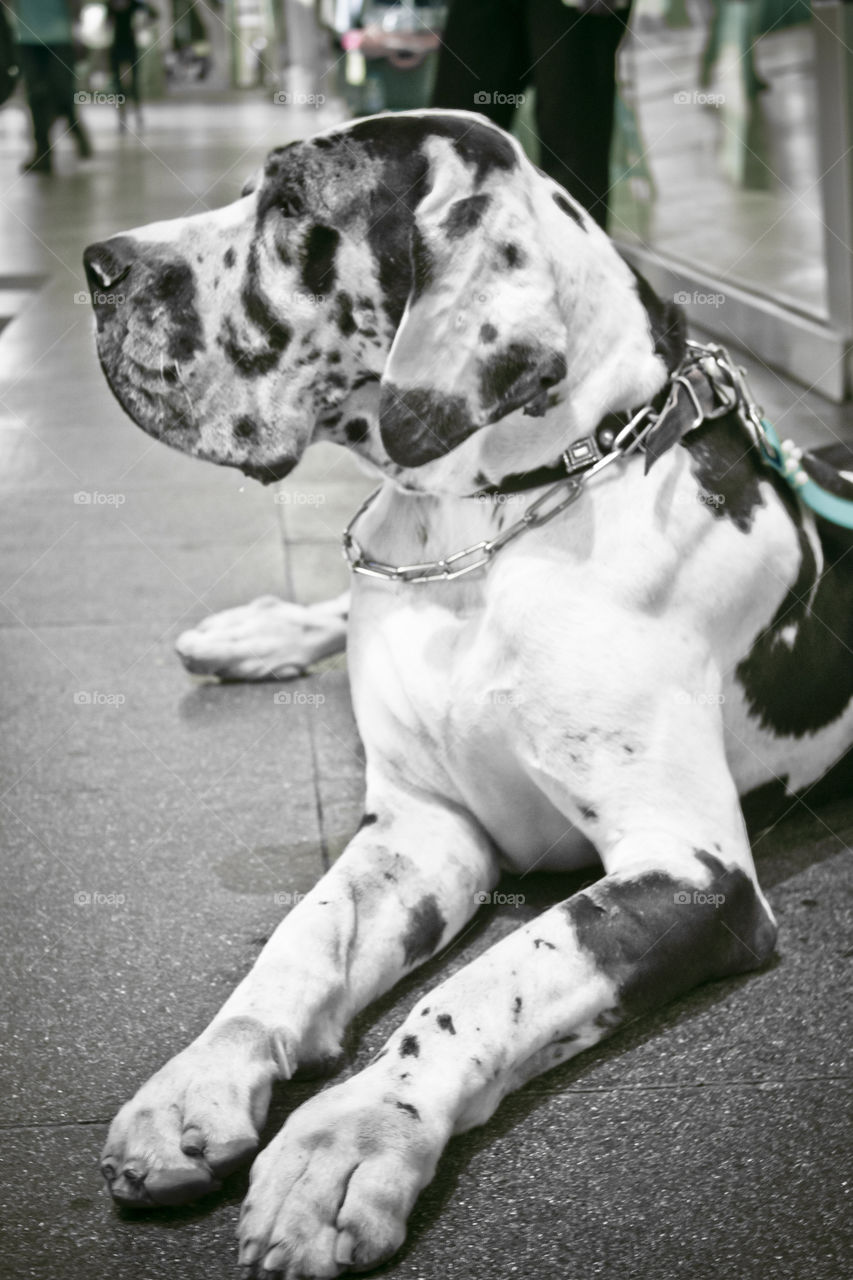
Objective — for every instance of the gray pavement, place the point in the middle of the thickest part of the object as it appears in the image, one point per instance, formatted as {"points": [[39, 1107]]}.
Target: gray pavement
{"points": [[150, 820]]}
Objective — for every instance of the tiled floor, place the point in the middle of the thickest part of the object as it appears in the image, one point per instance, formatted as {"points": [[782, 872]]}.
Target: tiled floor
{"points": [[149, 820]]}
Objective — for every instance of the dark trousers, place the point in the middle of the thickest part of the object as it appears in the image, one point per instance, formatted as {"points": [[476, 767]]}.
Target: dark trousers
{"points": [[48, 72], [122, 55], [500, 47]]}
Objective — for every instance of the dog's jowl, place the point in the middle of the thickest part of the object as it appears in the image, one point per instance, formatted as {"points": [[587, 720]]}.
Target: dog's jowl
{"points": [[610, 684]]}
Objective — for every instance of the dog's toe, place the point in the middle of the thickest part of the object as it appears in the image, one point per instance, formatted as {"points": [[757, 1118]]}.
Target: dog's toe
{"points": [[192, 1123], [333, 1191]]}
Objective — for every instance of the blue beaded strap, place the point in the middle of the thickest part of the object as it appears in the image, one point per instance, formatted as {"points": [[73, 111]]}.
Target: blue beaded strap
{"points": [[786, 459]]}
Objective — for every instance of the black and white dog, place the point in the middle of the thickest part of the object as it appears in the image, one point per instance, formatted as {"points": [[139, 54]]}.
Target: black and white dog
{"points": [[610, 685]]}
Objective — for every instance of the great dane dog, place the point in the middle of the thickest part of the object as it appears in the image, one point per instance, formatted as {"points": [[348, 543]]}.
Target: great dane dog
{"points": [[608, 686]]}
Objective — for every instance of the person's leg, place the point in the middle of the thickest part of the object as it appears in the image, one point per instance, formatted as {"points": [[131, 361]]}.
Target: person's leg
{"points": [[135, 93], [574, 70], [64, 106], [115, 67], [33, 60], [483, 55]]}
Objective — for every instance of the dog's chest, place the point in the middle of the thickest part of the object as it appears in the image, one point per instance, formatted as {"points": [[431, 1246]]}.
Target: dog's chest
{"points": [[445, 698]]}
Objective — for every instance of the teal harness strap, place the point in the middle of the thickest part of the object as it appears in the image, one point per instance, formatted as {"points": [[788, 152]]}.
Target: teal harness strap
{"points": [[786, 460]]}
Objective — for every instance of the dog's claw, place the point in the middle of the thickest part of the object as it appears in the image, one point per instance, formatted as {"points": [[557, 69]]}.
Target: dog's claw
{"points": [[194, 1121]]}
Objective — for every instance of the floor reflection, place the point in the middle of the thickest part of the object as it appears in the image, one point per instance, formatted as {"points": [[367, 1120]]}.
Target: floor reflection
{"points": [[720, 153]]}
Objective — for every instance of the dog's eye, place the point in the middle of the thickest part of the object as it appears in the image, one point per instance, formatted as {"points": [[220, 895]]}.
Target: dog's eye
{"points": [[291, 205]]}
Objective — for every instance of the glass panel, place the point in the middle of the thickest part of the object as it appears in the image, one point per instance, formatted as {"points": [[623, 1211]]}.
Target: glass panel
{"points": [[716, 148]]}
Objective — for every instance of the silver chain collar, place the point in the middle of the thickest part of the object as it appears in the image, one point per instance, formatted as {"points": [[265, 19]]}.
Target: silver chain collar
{"points": [[583, 460]]}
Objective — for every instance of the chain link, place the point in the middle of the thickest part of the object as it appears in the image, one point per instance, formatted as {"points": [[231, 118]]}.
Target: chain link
{"points": [[730, 386]]}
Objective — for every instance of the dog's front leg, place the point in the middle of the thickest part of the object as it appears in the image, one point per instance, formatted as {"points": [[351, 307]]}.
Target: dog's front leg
{"points": [[410, 878], [333, 1190]]}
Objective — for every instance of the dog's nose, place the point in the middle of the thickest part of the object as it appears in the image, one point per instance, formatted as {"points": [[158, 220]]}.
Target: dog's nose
{"points": [[107, 264]]}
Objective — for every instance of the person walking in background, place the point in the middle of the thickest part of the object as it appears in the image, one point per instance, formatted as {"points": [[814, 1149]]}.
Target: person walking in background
{"points": [[46, 59], [124, 51], [492, 50]]}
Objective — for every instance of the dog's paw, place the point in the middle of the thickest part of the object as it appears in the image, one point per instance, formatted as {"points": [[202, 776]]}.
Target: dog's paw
{"points": [[195, 1120], [333, 1191], [269, 639]]}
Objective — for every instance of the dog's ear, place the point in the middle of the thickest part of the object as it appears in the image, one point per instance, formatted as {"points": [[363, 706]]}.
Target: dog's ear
{"points": [[481, 334]]}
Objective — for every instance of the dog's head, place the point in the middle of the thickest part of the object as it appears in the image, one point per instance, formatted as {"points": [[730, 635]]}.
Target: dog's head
{"points": [[390, 284]]}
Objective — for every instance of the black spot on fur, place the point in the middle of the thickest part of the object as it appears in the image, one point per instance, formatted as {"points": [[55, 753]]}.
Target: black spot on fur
{"points": [[512, 255], [229, 257], [425, 1011], [422, 265], [419, 425], [656, 936], [412, 1111], [172, 290], [465, 215], [424, 930], [588, 812], [797, 686], [276, 332], [248, 363], [318, 260], [334, 357], [726, 464], [269, 472], [368, 820], [245, 428], [667, 323], [516, 1008], [343, 314], [542, 942], [518, 374], [357, 430], [488, 333], [570, 210], [445, 1021], [410, 1048]]}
